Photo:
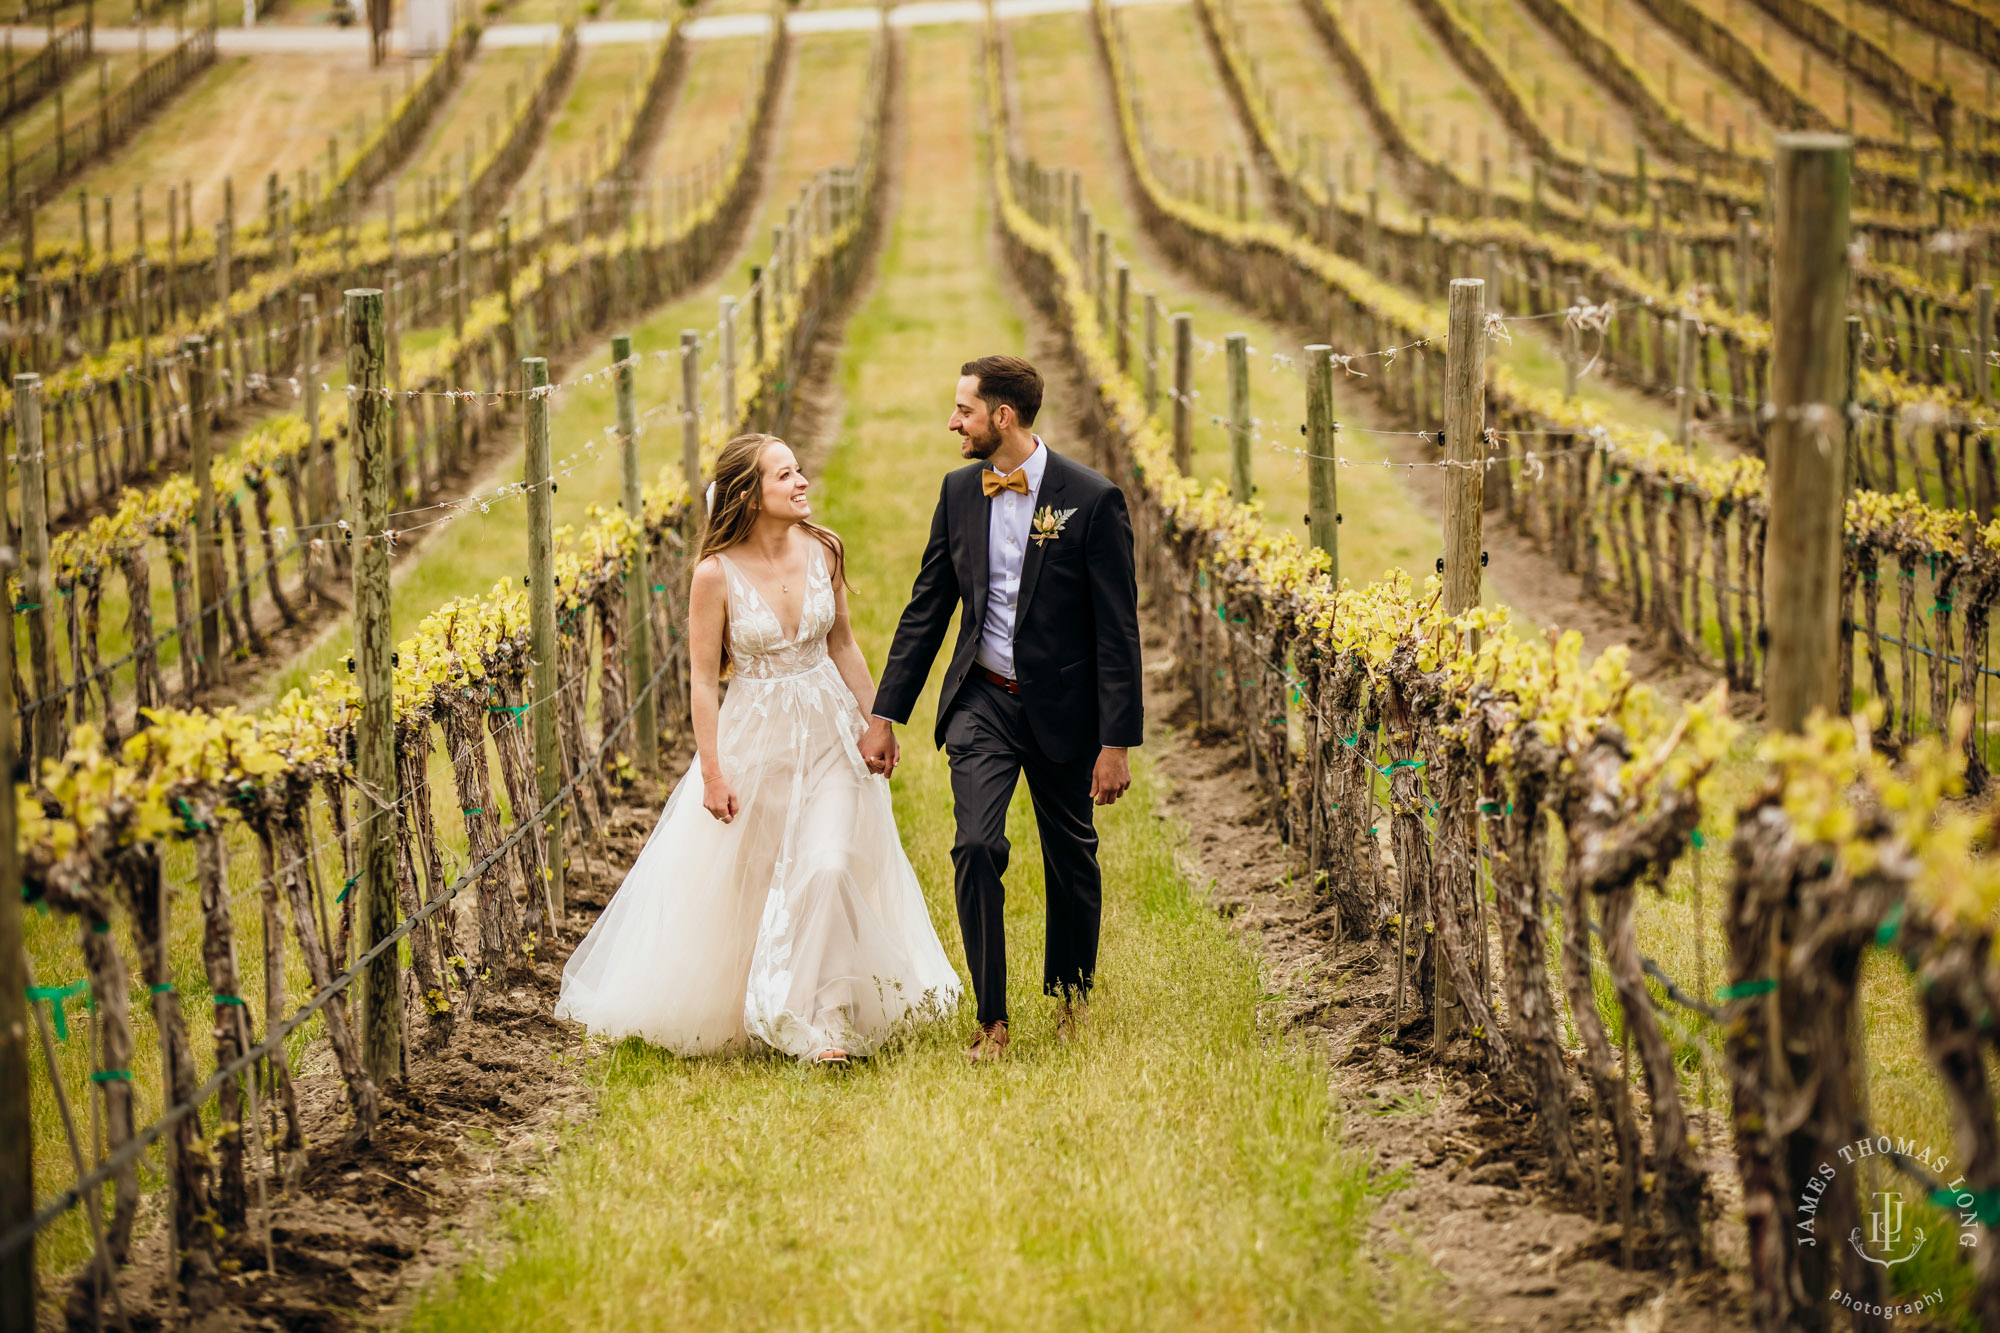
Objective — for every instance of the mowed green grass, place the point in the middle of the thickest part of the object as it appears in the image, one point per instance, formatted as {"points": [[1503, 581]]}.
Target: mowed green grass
{"points": [[1177, 1169]]}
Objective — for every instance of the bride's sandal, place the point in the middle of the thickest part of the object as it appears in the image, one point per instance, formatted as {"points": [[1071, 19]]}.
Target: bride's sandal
{"points": [[832, 1056]]}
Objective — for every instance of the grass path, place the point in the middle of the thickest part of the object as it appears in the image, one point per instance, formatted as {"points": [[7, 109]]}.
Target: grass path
{"points": [[1173, 1171]]}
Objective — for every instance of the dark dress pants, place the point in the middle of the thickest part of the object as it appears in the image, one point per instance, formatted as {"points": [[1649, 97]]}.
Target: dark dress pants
{"points": [[989, 743]]}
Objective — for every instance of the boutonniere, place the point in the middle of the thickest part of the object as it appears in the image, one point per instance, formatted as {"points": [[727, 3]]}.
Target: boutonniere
{"points": [[1049, 523]]}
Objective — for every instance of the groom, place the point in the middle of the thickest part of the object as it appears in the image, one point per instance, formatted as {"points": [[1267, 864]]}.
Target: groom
{"points": [[1035, 553]]}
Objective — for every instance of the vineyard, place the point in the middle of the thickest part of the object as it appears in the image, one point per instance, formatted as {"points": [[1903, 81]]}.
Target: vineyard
{"points": [[1561, 883]]}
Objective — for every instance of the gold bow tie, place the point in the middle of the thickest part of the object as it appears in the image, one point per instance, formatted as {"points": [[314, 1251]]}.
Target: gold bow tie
{"points": [[993, 483]]}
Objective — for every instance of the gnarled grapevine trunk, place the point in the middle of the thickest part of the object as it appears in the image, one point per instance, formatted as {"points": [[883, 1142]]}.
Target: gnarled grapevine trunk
{"points": [[361, 1091], [290, 1146], [218, 956], [465, 740], [137, 870]]}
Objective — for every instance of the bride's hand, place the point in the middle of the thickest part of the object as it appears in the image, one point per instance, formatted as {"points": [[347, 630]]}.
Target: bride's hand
{"points": [[719, 798]]}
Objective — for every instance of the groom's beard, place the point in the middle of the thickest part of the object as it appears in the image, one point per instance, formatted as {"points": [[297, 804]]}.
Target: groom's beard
{"points": [[982, 447]]}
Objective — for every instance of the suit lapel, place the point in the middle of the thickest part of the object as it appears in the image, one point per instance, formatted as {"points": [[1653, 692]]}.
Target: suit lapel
{"points": [[1053, 477], [978, 513]]}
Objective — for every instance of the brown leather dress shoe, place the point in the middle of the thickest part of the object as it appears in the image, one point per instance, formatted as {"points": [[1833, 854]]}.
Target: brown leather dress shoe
{"points": [[990, 1044]]}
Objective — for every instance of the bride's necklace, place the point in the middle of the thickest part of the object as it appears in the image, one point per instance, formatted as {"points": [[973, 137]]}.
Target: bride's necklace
{"points": [[784, 580]]}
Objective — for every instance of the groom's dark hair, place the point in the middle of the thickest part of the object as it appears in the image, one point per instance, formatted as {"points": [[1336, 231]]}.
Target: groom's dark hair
{"points": [[1009, 380]]}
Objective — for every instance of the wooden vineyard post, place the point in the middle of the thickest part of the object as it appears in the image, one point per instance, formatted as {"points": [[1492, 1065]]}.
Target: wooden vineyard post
{"points": [[1686, 330], [691, 409], [393, 316], [1184, 394], [1323, 495], [144, 388], [1240, 485], [1101, 283], [17, 1135], [208, 578], [1372, 233], [1465, 449], [725, 360], [1809, 289], [1743, 279], [757, 317], [1152, 304], [45, 722], [638, 578], [1464, 510], [375, 734], [1851, 429], [536, 476], [1122, 330], [1572, 342], [1982, 343], [325, 499], [461, 283]]}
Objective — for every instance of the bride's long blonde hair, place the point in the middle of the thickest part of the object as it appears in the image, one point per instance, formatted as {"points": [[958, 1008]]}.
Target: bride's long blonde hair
{"points": [[733, 508]]}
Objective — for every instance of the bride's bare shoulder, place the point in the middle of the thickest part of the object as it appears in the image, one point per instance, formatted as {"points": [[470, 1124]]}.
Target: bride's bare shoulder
{"points": [[709, 580]]}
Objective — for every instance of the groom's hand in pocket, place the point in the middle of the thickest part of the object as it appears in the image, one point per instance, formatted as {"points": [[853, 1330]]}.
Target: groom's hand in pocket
{"points": [[1111, 776], [878, 747]]}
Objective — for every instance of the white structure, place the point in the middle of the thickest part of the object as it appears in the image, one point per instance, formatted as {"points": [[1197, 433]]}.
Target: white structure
{"points": [[427, 26]]}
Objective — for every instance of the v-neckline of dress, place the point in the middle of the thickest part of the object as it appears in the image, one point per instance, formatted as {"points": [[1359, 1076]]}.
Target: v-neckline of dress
{"points": [[791, 640]]}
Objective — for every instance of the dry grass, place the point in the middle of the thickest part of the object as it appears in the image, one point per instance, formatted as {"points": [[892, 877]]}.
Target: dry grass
{"points": [[1292, 63], [1702, 94], [610, 79], [1532, 55], [1186, 103], [1433, 99], [477, 116], [1807, 72], [246, 117], [1970, 78], [715, 97], [1173, 1171]]}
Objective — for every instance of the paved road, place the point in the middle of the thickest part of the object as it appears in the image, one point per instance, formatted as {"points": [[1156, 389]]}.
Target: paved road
{"points": [[327, 38]]}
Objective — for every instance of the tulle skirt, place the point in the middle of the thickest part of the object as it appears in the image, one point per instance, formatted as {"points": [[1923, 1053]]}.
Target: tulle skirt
{"points": [[799, 924]]}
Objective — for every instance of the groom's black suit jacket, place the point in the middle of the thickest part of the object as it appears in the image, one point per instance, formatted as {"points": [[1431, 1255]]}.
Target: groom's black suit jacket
{"points": [[1076, 627]]}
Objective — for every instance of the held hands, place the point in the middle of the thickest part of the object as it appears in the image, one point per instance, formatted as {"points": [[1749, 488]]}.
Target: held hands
{"points": [[1111, 775], [718, 797], [878, 747]]}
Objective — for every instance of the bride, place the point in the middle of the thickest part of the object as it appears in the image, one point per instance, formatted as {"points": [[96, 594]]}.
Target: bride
{"points": [[773, 900]]}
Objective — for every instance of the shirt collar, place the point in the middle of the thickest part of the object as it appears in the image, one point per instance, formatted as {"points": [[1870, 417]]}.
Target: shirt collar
{"points": [[1036, 464]]}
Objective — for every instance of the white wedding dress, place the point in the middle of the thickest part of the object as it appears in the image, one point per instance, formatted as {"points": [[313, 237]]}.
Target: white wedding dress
{"points": [[799, 923]]}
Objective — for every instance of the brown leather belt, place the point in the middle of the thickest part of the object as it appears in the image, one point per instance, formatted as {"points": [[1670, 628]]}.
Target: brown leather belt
{"points": [[1011, 686]]}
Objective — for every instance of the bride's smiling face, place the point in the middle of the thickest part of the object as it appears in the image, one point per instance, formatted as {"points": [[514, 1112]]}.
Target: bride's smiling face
{"points": [[784, 492]]}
